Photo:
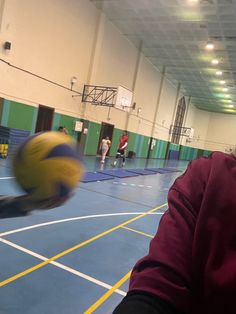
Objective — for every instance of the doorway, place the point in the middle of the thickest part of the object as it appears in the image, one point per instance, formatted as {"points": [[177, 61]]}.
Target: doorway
{"points": [[44, 119], [106, 130]]}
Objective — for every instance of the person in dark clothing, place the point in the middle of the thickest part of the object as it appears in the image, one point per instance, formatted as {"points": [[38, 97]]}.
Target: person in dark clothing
{"points": [[191, 264], [62, 129]]}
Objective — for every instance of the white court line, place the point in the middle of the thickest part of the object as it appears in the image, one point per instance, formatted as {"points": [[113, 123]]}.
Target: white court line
{"points": [[6, 178], [72, 219], [59, 265]]}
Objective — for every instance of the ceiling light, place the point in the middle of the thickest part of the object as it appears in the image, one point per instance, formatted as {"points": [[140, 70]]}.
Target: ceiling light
{"points": [[193, 1], [227, 95], [209, 46], [225, 89], [230, 106], [222, 82], [215, 61], [219, 72]]}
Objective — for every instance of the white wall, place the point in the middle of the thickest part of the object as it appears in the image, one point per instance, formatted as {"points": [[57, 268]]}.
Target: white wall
{"points": [[213, 131], [49, 38], [166, 111], [58, 39], [199, 120], [145, 97], [221, 132]]}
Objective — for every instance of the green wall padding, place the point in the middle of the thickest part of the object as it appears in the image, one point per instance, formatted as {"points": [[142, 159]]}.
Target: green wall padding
{"points": [[21, 116], [131, 143], [200, 152], [5, 112], [34, 120], [92, 139], [56, 121], [175, 147], [153, 152], [141, 145], [145, 147], [69, 123], [188, 153], [115, 141], [194, 153], [1, 108], [206, 153], [183, 153], [24, 117], [171, 147], [159, 150]]}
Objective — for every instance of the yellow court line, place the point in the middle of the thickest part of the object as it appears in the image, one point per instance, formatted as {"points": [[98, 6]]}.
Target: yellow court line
{"points": [[136, 231], [40, 265], [107, 294]]}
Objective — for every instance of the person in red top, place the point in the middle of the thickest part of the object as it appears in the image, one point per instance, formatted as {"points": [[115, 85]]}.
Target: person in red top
{"points": [[121, 149], [191, 264]]}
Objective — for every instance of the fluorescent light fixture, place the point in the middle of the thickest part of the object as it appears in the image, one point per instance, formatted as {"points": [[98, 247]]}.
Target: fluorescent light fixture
{"points": [[193, 1], [227, 96], [225, 89], [222, 82], [219, 73], [230, 106], [209, 46], [215, 61]]}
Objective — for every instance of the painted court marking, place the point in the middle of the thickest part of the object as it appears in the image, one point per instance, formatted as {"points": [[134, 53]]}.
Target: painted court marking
{"points": [[72, 219], [59, 265], [131, 184], [69, 269], [139, 232], [63, 253], [107, 294]]}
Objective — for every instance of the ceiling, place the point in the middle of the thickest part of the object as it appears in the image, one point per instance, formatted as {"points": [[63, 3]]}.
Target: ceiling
{"points": [[174, 33]]}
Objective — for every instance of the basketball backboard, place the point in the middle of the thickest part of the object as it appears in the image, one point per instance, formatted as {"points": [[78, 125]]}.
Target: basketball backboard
{"points": [[181, 131], [99, 95], [124, 99], [117, 97]]}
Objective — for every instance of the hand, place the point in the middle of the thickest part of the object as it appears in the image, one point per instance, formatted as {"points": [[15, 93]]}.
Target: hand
{"points": [[53, 202]]}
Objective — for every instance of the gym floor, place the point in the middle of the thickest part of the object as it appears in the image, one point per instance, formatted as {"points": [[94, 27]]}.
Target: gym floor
{"points": [[77, 258]]}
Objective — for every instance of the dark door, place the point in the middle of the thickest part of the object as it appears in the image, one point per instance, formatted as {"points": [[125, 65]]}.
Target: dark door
{"points": [[44, 119], [106, 130]]}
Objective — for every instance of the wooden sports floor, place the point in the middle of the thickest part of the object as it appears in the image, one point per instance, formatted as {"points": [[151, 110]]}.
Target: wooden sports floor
{"points": [[77, 258]]}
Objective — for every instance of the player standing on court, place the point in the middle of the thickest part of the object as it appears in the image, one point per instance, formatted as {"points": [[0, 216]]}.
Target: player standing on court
{"points": [[122, 148]]}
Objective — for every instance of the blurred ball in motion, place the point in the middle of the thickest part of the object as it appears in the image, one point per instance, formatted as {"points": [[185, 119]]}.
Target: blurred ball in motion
{"points": [[48, 165]]}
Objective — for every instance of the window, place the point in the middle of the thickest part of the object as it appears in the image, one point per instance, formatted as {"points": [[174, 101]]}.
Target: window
{"points": [[179, 118]]}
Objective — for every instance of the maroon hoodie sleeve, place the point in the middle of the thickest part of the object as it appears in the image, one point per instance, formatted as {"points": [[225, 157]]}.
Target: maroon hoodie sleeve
{"points": [[166, 270]]}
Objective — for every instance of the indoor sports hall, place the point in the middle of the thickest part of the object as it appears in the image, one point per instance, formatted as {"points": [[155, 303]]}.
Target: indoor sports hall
{"points": [[161, 70]]}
